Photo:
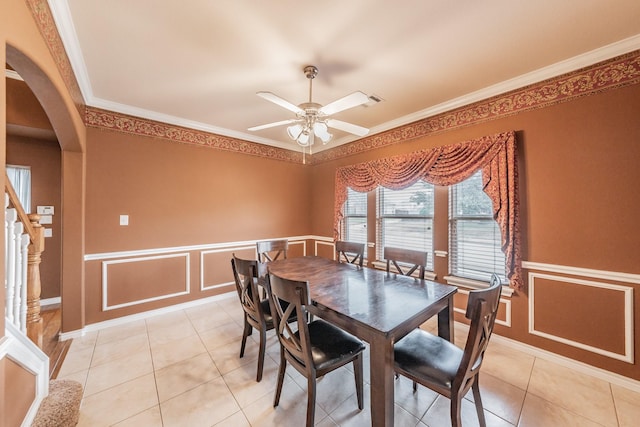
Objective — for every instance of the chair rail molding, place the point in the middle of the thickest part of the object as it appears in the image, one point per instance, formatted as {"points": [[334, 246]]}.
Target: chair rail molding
{"points": [[585, 272]]}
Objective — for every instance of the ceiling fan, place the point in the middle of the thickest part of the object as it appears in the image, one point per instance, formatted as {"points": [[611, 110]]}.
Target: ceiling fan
{"points": [[312, 119]]}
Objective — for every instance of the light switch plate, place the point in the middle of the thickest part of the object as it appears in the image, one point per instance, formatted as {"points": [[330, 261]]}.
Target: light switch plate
{"points": [[124, 219], [46, 219], [48, 232], [45, 210]]}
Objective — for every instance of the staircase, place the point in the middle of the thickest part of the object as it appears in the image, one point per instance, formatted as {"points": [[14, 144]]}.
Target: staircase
{"points": [[61, 408], [56, 402]]}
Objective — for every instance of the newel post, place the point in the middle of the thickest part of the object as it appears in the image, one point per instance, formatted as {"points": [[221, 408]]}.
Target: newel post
{"points": [[34, 321]]}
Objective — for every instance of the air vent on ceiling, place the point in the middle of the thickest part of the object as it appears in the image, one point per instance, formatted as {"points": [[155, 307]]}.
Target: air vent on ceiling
{"points": [[373, 100]]}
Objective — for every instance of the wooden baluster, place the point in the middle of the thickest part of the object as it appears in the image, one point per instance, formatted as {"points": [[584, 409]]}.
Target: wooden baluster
{"points": [[34, 321]]}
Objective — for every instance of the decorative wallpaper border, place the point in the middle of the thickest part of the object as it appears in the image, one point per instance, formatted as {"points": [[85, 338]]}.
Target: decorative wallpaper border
{"points": [[109, 120], [45, 22], [617, 72], [621, 71]]}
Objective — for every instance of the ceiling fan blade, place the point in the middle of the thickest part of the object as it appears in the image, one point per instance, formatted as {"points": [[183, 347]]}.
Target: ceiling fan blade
{"points": [[349, 101], [347, 127], [280, 101], [272, 125]]}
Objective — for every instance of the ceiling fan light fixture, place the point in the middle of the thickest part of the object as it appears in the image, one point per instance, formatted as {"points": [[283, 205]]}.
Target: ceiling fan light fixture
{"points": [[312, 119], [294, 131], [303, 138], [322, 131]]}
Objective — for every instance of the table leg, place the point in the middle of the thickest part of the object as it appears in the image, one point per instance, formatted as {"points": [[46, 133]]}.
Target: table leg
{"points": [[382, 387], [445, 321]]}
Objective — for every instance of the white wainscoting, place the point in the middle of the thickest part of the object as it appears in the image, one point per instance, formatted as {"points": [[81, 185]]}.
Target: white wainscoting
{"points": [[230, 250], [627, 293], [507, 303], [105, 280], [110, 258], [326, 242]]}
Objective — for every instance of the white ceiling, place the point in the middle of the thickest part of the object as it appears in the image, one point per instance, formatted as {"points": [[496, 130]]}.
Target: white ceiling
{"points": [[199, 63]]}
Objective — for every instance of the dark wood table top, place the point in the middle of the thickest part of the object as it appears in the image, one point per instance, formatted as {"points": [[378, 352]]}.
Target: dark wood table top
{"points": [[375, 306], [377, 300]]}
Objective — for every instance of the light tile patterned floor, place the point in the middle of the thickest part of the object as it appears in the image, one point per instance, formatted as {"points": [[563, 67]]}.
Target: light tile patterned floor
{"points": [[183, 369]]}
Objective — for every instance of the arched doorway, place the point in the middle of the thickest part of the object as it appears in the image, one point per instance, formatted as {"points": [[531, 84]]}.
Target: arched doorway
{"points": [[70, 133]]}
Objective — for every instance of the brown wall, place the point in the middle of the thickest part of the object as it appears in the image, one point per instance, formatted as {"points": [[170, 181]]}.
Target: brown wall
{"points": [[176, 196], [23, 108], [44, 157], [23, 47], [579, 207], [19, 385], [592, 140]]}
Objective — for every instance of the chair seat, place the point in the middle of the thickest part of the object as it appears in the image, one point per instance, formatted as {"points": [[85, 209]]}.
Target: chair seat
{"points": [[331, 345], [428, 357], [266, 312]]}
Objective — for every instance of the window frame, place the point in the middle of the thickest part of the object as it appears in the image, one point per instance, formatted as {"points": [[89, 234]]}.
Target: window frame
{"points": [[474, 277], [380, 229], [344, 232]]}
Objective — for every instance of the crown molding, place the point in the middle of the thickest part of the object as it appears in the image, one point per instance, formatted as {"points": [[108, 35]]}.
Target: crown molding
{"points": [[45, 20], [555, 70], [387, 133], [114, 121], [184, 123], [613, 73], [67, 31]]}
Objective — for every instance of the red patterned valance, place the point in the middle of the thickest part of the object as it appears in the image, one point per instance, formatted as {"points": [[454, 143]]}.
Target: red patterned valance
{"points": [[448, 165]]}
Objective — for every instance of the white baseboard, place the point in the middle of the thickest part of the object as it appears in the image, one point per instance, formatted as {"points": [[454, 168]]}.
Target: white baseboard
{"points": [[587, 369], [145, 315], [50, 301], [582, 367]]}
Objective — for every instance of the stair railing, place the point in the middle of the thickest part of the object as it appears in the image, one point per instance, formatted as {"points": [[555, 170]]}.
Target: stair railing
{"points": [[24, 244]]}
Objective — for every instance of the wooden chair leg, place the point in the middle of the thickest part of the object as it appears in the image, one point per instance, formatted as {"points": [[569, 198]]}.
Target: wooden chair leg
{"points": [[247, 331], [261, 351], [357, 371], [281, 370], [478, 401], [456, 408], [311, 400]]}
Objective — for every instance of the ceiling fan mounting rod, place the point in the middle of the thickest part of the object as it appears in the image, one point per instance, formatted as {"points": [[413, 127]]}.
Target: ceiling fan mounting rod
{"points": [[311, 71]]}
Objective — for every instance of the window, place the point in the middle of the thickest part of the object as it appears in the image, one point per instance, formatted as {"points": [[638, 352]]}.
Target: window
{"points": [[20, 177], [355, 217], [405, 219], [474, 236]]}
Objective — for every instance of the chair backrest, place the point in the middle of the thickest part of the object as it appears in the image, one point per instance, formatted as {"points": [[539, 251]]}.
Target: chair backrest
{"points": [[417, 260], [482, 307], [296, 294], [271, 250], [244, 273], [350, 252]]}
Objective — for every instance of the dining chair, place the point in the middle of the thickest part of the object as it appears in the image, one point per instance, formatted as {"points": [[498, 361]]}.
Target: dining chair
{"points": [[271, 250], [350, 252], [257, 311], [417, 259], [316, 347], [442, 366]]}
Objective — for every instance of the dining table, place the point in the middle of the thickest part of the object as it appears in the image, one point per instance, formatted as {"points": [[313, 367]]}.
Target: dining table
{"points": [[375, 306]]}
